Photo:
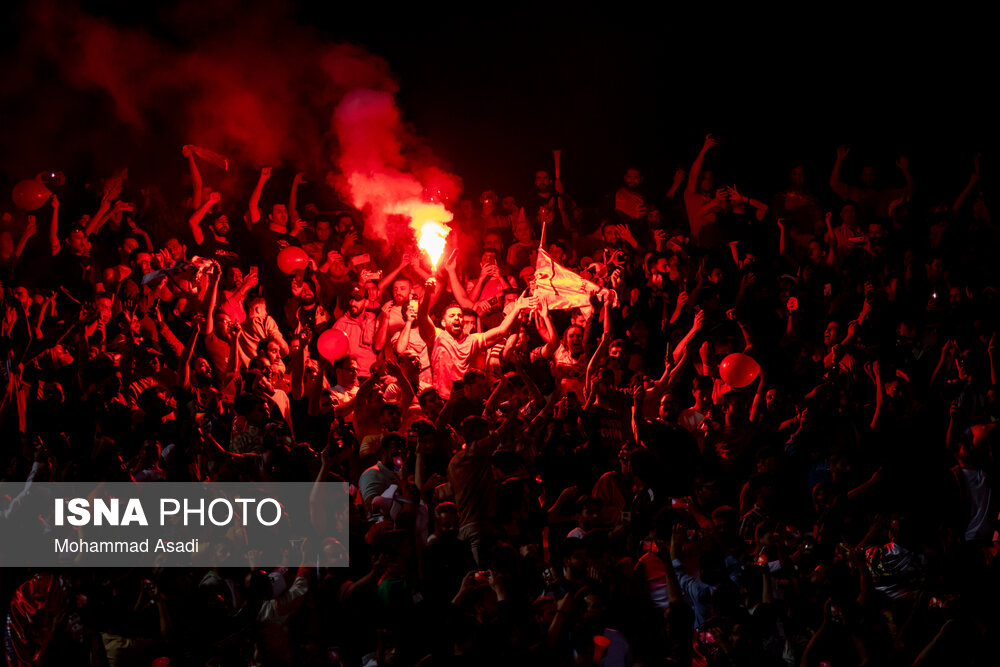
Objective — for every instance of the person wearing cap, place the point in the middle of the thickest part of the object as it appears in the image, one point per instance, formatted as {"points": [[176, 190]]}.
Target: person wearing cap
{"points": [[358, 324]]}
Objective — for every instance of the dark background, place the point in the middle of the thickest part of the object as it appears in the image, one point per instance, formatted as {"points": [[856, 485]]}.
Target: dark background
{"points": [[493, 94]]}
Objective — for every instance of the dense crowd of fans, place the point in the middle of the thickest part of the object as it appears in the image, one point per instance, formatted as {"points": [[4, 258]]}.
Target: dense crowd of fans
{"points": [[529, 485]]}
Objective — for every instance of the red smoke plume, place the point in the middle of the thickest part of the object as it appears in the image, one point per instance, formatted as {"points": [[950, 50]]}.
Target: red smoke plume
{"points": [[246, 80]]}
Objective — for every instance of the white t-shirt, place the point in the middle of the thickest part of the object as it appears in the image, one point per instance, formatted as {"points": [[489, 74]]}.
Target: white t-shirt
{"points": [[451, 359]]}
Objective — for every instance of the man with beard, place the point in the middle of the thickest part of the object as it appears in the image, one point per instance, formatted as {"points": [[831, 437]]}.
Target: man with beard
{"points": [[549, 203], [629, 202], [358, 324], [452, 349], [215, 244]]}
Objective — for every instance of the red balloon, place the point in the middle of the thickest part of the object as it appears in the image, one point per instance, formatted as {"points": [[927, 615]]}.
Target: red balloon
{"points": [[738, 370], [30, 195], [292, 259], [333, 344]]}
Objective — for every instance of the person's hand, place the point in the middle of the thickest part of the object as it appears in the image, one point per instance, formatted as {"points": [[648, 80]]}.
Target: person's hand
{"points": [[495, 581], [699, 321], [430, 285], [299, 179], [792, 304], [781, 223], [735, 196], [186, 151], [350, 238], [842, 152], [721, 194], [994, 344], [214, 198], [468, 582], [265, 173], [559, 186], [638, 395], [565, 605], [55, 202], [30, 228], [198, 323], [407, 258], [410, 314], [679, 176], [710, 141], [903, 163], [682, 299], [297, 227]]}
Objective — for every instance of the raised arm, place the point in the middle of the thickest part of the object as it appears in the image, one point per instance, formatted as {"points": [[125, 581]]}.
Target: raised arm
{"points": [[254, 205], [842, 190], [54, 227], [403, 342], [194, 222], [543, 322], [29, 231], [214, 277], [184, 362], [692, 183], [196, 183], [456, 286], [499, 331], [428, 332], [293, 196], [391, 276], [904, 166], [973, 182]]}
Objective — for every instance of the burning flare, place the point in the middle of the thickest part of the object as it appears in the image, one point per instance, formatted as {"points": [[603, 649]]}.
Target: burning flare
{"points": [[431, 238]]}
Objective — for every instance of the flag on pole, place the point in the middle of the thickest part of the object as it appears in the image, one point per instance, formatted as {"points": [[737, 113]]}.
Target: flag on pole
{"points": [[559, 287]]}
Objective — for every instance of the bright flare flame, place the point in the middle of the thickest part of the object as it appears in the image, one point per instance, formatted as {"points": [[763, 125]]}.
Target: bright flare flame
{"points": [[427, 221], [431, 239]]}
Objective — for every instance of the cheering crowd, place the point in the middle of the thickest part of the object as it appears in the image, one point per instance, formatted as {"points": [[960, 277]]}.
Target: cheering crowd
{"points": [[763, 435]]}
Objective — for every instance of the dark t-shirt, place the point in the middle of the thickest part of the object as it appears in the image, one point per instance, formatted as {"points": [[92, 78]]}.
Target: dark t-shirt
{"points": [[224, 253]]}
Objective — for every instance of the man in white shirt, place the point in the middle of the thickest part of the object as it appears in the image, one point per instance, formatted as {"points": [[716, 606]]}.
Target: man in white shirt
{"points": [[453, 351]]}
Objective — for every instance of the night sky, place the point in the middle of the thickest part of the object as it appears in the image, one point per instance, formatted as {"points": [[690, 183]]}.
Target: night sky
{"points": [[492, 95]]}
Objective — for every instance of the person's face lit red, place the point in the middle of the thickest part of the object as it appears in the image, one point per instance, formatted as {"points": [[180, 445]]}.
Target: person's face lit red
{"points": [[797, 177], [452, 321], [468, 323], [493, 242], [543, 182], [401, 291], [279, 215], [220, 227], [574, 340], [831, 334], [523, 232], [868, 177], [144, 262], [706, 183], [175, 248], [849, 216], [323, 230], [632, 179]]}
